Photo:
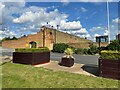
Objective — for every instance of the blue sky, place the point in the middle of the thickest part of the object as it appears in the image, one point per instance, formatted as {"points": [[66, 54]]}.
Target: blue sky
{"points": [[84, 19]]}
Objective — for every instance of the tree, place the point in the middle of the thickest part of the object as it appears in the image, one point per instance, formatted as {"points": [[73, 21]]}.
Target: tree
{"points": [[6, 38], [14, 38], [114, 45], [93, 49]]}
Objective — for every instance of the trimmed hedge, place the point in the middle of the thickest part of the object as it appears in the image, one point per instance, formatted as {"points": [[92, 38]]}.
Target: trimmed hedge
{"points": [[43, 49], [107, 54]]}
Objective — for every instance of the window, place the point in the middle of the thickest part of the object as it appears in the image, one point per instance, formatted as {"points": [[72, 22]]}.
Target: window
{"points": [[50, 33]]}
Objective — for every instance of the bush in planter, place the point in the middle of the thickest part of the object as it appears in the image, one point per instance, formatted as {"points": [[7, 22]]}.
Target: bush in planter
{"points": [[42, 49], [31, 56], [109, 64], [68, 53], [107, 54], [67, 59]]}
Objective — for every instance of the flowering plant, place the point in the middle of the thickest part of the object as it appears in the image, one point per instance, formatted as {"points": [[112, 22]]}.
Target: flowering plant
{"points": [[68, 53]]}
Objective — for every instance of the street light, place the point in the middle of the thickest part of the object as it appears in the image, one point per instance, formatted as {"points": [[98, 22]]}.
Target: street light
{"points": [[108, 22]]}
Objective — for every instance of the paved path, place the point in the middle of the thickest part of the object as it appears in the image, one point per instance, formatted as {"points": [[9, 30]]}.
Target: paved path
{"points": [[76, 68]]}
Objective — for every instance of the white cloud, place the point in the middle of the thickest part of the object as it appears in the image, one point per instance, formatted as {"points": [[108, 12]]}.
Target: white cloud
{"points": [[97, 0], [81, 31], [101, 30], [2, 6], [96, 35], [20, 3], [84, 35], [34, 17], [27, 17], [1, 32], [116, 20], [65, 2], [83, 9], [40, 16], [106, 32], [98, 28], [7, 33], [70, 25]]}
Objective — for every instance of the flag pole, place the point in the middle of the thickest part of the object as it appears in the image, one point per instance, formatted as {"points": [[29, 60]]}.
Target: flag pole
{"points": [[108, 21]]}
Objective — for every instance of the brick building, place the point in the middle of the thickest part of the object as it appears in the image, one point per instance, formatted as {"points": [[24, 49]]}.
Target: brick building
{"points": [[47, 37]]}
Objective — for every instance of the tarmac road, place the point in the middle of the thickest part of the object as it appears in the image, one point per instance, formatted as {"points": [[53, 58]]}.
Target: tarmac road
{"points": [[82, 59]]}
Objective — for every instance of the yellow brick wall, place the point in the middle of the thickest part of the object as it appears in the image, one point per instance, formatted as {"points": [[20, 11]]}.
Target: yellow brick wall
{"points": [[49, 39]]}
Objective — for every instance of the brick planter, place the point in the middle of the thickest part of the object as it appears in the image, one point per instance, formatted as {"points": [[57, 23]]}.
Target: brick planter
{"points": [[109, 68], [67, 62], [32, 58]]}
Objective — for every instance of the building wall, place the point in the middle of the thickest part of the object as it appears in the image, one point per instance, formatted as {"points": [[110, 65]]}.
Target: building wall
{"points": [[24, 41], [49, 40], [103, 44], [62, 37]]}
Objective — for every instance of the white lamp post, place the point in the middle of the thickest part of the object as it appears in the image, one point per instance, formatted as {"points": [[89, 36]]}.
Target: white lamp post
{"points": [[108, 22]]}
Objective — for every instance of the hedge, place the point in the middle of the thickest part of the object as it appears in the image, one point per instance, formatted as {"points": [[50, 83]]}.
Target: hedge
{"points": [[60, 47], [108, 54], [43, 49]]}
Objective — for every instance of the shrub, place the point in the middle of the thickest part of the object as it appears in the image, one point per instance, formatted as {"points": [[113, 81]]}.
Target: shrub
{"points": [[102, 48], [85, 51], [93, 49], [73, 48], [43, 49], [60, 47], [108, 54], [114, 45], [81, 51]]}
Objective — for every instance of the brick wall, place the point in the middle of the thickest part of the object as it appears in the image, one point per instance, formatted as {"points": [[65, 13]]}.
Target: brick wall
{"points": [[49, 40]]}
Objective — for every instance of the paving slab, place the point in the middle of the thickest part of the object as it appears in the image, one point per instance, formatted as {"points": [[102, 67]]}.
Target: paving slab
{"points": [[76, 68]]}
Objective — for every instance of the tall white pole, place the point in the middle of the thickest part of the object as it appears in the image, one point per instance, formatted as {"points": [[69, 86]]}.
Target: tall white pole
{"points": [[108, 18]]}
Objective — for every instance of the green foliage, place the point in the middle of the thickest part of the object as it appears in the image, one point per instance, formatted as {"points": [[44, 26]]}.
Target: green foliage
{"points": [[102, 48], [107, 54], [14, 38], [43, 49], [8, 38], [85, 51], [81, 51], [114, 45], [60, 47], [93, 49]]}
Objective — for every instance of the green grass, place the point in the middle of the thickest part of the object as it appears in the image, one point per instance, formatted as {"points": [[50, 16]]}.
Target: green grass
{"points": [[26, 76]]}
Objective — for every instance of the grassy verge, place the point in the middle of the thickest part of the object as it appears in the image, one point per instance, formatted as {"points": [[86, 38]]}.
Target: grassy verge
{"points": [[26, 76]]}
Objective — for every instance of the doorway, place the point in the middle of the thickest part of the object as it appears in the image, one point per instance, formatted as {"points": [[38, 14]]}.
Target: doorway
{"points": [[33, 44]]}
